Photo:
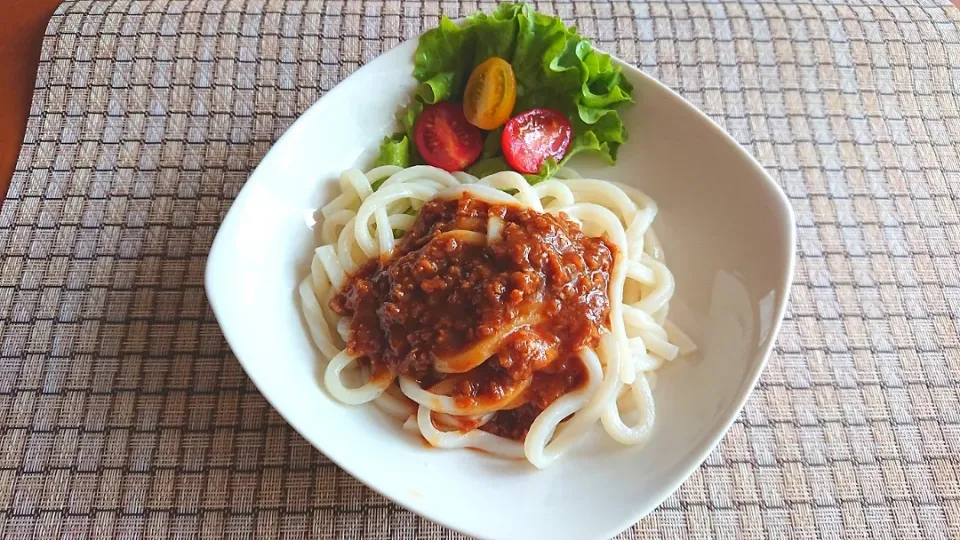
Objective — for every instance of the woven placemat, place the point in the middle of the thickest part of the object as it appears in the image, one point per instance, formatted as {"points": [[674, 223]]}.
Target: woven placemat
{"points": [[124, 414]]}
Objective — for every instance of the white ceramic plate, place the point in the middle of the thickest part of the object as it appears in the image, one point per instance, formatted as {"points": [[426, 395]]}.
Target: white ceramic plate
{"points": [[728, 234]]}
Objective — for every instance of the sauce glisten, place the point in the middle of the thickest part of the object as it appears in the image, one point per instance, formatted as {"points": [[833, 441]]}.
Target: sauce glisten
{"points": [[481, 321]]}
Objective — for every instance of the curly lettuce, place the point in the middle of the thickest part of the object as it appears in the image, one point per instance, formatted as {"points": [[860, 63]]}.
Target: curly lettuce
{"points": [[554, 66]]}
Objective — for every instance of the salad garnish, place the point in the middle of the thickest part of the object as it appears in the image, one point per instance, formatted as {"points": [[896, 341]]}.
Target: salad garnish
{"points": [[535, 136], [531, 94], [491, 94], [445, 138]]}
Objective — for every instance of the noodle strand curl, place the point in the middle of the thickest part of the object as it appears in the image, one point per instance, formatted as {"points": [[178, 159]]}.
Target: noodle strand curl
{"points": [[376, 208]]}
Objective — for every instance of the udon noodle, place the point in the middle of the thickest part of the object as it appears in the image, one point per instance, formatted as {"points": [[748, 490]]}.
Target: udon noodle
{"points": [[375, 209]]}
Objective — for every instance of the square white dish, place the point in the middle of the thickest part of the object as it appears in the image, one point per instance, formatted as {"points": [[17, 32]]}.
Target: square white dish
{"points": [[726, 228]]}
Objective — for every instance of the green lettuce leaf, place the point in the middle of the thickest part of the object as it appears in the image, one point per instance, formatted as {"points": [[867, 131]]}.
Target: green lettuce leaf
{"points": [[441, 50], [491, 144], [399, 149], [494, 35], [488, 166], [409, 119], [554, 68], [394, 151], [437, 88]]}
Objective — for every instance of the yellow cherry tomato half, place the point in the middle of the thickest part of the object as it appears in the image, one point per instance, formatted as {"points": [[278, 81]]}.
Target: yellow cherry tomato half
{"points": [[490, 95]]}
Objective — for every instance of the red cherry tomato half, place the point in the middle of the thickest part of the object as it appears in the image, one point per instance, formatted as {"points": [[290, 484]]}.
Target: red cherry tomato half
{"points": [[531, 137], [444, 137]]}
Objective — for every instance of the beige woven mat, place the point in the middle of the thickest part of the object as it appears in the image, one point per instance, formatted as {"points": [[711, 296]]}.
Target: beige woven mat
{"points": [[124, 414]]}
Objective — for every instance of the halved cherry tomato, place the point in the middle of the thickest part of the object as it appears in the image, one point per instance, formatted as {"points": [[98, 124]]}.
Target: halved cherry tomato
{"points": [[491, 93], [444, 137], [531, 137]]}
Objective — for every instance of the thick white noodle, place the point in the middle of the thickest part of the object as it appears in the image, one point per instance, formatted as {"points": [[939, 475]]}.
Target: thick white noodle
{"points": [[678, 336], [374, 208], [331, 265], [660, 296], [382, 173], [319, 329], [606, 195], [388, 193], [356, 180], [323, 290], [556, 193], [613, 229], [451, 421], [334, 223], [637, 433], [343, 328], [422, 174], [397, 407], [480, 191], [539, 451], [347, 248], [446, 404], [544, 443], [476, 438], [494, 229], [369, 391], [643, 275], [465, 178], [526, 194]]}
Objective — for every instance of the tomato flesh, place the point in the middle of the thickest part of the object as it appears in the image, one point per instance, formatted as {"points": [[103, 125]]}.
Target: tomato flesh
{"points": [[531, 137], [490, 94], [445, 139]]}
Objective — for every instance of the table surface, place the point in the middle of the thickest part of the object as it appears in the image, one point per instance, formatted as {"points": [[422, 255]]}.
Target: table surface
{"points": [[24, 22], [124, 413]]}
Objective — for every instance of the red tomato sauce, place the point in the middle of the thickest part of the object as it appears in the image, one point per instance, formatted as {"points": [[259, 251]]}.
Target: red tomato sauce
{"points": [[531, 299]]}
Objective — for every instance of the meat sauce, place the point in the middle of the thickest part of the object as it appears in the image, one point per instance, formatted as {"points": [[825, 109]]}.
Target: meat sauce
{"points": [[481, 321]]}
